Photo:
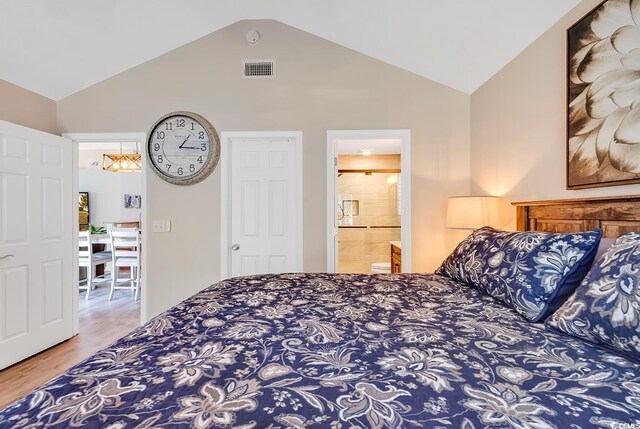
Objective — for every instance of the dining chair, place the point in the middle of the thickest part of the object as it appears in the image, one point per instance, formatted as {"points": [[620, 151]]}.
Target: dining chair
{"points": [[89, 260], [125, 252]]}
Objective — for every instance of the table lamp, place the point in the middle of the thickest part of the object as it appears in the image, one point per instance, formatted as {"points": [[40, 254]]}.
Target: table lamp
{"points": [[472, 212]]}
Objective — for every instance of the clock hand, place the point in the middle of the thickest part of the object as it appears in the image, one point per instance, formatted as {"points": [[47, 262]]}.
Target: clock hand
{"points": [[185, 140]]}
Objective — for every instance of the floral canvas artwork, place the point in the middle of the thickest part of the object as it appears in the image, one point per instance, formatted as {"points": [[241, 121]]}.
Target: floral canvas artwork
{"points": [[604, 96]]}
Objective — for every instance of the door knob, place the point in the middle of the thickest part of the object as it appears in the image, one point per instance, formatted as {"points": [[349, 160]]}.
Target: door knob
{"points": [[6, 256], [235, 247]]}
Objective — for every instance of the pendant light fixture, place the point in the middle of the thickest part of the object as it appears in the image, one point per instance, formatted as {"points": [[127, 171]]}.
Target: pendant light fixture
{"points": [[122, 162]]}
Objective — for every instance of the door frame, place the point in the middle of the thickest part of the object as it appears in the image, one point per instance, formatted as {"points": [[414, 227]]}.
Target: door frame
{"points": [[76, 138], [226, 138], [404, 135]]}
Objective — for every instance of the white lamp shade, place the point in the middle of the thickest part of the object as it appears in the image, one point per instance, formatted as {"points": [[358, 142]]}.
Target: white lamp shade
{"points": [[472, 212]]}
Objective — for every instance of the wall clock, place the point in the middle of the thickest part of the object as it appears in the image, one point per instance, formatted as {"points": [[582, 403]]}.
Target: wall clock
{"points": [[183, 148]]}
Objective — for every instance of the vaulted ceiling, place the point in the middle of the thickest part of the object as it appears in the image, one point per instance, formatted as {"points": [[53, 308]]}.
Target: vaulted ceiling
{"points": [[56, 48]]}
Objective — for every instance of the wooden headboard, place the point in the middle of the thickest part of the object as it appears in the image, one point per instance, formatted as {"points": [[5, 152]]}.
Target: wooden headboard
{"points": [[614, 215]]}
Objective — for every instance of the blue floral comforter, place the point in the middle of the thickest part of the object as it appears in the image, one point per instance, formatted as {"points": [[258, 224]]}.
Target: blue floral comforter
{"points": [[339, 351]]}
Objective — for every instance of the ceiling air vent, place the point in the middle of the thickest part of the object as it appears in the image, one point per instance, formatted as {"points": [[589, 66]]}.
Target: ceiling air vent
{"points": [[259, 69]]}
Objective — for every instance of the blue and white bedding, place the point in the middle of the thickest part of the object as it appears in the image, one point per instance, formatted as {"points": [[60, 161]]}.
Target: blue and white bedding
{"points": [[340, 351]]}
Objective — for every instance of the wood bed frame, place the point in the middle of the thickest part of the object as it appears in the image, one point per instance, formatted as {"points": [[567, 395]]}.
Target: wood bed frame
{"points": [[614, 215]]}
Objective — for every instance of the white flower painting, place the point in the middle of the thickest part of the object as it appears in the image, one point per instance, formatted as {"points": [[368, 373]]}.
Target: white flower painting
{"points": [[132, 201], [604, 96]]}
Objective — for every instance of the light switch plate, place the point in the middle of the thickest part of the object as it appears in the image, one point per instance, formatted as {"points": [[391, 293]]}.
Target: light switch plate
{"points": [[161, 226]]}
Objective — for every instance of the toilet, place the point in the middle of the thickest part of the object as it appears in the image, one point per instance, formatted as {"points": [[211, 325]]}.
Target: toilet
{"points": [[381, 268]]}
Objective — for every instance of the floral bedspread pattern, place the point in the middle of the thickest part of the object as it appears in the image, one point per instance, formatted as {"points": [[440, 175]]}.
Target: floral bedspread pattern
{"points": [[533, 272], [605, 309], [339, 351]]}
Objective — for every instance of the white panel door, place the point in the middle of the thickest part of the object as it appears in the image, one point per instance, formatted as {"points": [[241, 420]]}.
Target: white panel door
{"points": [[266, 206], [36, 218]]}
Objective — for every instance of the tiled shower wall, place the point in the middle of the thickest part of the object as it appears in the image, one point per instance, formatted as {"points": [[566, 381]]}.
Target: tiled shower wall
{"points": [[364, 238]]}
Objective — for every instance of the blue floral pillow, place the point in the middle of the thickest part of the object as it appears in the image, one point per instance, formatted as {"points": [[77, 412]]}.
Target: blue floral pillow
{"points": [[532, 272], [605, 309]]}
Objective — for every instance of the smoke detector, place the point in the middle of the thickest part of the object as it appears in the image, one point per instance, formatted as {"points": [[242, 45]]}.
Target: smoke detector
{"points": [[253, 37]]}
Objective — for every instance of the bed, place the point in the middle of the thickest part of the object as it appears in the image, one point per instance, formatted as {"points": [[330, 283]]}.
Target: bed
{"points": [[351, 351]]}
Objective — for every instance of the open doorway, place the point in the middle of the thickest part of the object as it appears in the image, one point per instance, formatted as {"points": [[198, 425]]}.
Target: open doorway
{"points": [[369, 201], [109, 180]]}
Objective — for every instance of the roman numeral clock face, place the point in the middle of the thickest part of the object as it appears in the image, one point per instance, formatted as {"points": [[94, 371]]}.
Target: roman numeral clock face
{"points": [[183, 148]]}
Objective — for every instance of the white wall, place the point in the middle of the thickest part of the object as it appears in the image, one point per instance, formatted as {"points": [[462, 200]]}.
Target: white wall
{"points": [[27, 108], [106, 191], [518, 126], [320, 86]]}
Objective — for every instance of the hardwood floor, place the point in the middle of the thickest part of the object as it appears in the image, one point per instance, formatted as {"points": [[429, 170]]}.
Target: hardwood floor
{"points": [[101, 323]]}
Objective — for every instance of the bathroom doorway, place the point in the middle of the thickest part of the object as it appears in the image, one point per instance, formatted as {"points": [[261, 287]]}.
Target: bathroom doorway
{"points": [[368, 198]]}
